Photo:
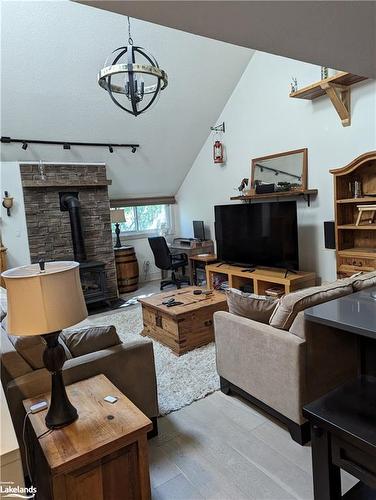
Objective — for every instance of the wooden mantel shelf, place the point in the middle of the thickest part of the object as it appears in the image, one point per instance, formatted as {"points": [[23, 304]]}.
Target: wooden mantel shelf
{"points": [[307, 193], [65, 183], [337, 88]]}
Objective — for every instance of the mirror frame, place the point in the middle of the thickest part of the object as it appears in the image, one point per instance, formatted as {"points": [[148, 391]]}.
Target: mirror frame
{"points": [[284, 153]]}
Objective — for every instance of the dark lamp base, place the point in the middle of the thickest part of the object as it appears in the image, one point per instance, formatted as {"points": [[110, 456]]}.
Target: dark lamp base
{"points": [[61, 411], [117, 232]]}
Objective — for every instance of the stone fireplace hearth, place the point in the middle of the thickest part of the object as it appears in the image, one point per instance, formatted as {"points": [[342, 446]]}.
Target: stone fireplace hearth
{"points": [[49, 228]]}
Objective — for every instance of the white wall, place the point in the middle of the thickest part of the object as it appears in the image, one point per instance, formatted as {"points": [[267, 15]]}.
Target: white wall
{"points": [[261, 119], [13, 228]]}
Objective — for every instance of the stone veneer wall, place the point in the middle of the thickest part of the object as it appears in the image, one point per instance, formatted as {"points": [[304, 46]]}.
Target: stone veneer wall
{"points": [[48, 228]]}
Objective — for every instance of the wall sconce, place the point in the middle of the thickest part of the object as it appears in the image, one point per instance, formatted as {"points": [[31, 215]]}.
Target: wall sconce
{"points": [[7, 202]]}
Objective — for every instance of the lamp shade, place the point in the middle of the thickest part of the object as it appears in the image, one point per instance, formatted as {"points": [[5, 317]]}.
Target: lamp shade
{"points": [[117, 216], [41, 302]]}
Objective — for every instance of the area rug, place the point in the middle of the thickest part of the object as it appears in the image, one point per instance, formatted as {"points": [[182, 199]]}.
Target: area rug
{"points": [[181, 380]]}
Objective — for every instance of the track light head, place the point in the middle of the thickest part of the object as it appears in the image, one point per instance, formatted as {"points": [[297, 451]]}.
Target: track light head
{"points": [[134, 149], [111, 149], [24, 146], [66, 146]]}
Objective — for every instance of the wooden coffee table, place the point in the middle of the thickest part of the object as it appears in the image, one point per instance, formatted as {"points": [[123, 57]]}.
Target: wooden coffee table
{"points": [[182, 328]]}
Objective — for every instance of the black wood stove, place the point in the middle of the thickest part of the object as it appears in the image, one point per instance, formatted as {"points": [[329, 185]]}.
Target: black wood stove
{"points": [[92, 272]]}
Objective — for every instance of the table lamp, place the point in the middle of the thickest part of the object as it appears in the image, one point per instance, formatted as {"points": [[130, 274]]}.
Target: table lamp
{"points": [[117, 216], [43, 299]]}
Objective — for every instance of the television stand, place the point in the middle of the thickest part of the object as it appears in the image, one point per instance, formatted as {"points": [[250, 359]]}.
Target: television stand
{"points": [[260, 279]]}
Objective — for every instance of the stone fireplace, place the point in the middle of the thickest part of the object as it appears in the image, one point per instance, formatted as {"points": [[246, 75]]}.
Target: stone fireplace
{"points": [[82, 232]]}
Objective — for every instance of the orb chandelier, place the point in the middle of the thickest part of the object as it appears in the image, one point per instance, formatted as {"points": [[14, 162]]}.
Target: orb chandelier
{"points": [[133, 79]]}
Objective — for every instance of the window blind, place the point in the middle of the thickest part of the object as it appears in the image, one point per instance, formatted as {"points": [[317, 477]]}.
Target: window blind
{"points": [[137, 202]]}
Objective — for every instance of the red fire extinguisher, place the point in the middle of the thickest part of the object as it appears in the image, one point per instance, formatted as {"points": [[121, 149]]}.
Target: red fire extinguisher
{"points": [[218, 152]]}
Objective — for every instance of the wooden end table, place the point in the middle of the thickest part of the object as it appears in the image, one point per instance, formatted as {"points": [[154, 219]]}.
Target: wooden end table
{"points": [[102, 455], [185, 327]]}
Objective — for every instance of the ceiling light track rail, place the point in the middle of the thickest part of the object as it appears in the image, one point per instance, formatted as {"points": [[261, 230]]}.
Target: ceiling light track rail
{"points": [[68, 144]]}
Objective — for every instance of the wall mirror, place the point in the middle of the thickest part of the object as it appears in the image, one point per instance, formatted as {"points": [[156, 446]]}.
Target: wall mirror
{"points": [[287, 171]]}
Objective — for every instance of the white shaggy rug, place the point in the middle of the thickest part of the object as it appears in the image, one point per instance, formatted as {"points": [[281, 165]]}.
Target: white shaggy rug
{"points": [[181, 380]]}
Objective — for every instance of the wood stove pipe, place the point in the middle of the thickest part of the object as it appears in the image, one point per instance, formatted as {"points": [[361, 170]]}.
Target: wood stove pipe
{"points": [[72, 204]]}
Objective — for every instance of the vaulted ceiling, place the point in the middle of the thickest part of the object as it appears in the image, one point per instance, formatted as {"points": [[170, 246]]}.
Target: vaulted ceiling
{"points": [[51, 53], [338, 34]]}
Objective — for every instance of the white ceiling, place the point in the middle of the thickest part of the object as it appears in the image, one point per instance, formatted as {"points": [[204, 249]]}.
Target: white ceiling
{"points": [[51, 52], [338, 34]]}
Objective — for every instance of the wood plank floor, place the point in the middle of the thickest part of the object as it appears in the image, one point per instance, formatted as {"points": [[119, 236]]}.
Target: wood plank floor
{"points": [[223, 448]]}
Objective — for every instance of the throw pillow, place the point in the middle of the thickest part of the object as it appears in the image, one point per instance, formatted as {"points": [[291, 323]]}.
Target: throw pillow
{"points": [[292, 303], [31, 348], [251, 306], [89, 339]]}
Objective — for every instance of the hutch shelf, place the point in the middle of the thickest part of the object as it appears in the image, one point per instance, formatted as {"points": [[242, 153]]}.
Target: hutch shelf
{"points": [[355, 244]]}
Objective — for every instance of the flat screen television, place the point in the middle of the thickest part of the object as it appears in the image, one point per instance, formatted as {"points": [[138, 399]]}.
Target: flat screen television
{"points": [[259, 234]]}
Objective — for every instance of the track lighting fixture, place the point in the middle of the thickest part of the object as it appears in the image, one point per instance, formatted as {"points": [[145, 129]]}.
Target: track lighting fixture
{"points": [[68, 145]]}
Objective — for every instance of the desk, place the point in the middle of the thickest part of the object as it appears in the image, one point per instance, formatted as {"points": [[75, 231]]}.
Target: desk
{"points": [[193, 248], [343, 422]]}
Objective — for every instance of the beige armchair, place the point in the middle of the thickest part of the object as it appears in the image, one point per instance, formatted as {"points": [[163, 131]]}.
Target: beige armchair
{"points": [[280, 370]]}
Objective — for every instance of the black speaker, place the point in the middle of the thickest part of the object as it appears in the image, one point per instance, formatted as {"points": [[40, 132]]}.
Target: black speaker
{"points": [[329, 234]]}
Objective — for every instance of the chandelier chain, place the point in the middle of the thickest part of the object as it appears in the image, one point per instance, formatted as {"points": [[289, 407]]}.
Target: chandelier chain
{"points": [[130, 39]]}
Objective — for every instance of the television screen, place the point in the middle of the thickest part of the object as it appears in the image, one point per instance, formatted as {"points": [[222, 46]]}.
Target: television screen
{"points": [[259, 234], [199, 230]]}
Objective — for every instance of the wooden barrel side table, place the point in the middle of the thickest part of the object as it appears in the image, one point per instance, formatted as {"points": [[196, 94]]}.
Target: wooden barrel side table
{"points": [[126, 269]]}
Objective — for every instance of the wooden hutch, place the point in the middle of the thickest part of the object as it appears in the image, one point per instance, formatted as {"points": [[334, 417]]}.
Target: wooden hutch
{"points": [[355, 240]]}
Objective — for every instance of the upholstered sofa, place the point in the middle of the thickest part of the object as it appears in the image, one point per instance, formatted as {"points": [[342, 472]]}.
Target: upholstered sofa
{"points": [[281, 364], [90, 351]]}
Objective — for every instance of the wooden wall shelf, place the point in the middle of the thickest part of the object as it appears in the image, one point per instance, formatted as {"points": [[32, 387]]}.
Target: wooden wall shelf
{"points": [[306, 194], [356, 245], [337, 88]]}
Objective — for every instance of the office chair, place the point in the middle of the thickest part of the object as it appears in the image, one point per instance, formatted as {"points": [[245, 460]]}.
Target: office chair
{"points": [[167, 261]]}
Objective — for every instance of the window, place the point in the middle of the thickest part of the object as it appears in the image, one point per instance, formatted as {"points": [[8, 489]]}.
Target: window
{"points": [[147, 219]]}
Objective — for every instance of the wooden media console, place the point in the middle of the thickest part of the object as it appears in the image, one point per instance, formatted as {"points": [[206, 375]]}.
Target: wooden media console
{"points": [[261, 278]]}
